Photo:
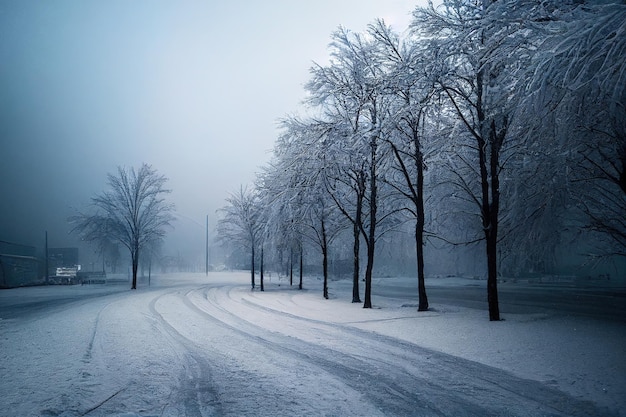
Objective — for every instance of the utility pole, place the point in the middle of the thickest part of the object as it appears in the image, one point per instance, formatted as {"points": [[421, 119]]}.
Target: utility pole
{"points": [[46, 254], [207, 247]]}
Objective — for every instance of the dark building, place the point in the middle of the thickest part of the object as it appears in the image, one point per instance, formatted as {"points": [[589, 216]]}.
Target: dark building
{"points": [[19, 266]]}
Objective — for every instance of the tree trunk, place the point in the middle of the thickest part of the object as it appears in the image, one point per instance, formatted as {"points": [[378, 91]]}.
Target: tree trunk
{"points": [[135, 262], [490, 227], [492, 280], [488, 154], [252, 267], [496, 139], [261, 272], [368, 276], [417, 198], [290, 267], [356, 298], [421, 287], [325, 259], [419, 230], [301, 264], [371, 238]]}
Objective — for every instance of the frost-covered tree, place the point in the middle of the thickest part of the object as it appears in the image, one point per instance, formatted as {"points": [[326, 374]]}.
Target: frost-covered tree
{"points": [[550, 75], [463, 36], [133, 212], [302, 158], [347, 188], [578, 87], [528, 209], [345, 176], [240, 224], [282, 211], [350, 92], [410, 90], [323, 226]]}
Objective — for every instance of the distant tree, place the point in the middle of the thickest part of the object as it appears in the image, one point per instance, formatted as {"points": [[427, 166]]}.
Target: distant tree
{"points": [[343, 174], [132, 212], [347, 185], [281, 211], [105, 246], [240, 225], [111, 255], [304, 157], [285, 187]]}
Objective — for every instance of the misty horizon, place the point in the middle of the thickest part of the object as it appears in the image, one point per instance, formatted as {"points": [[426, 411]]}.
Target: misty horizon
{"points": [[193, 89]]}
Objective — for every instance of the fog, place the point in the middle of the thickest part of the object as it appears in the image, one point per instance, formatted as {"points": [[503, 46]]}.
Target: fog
{"points": [[193, 88]]}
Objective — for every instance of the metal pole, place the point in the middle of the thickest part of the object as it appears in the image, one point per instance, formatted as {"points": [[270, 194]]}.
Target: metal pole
{"points": [[46, 254], [207, 246]]}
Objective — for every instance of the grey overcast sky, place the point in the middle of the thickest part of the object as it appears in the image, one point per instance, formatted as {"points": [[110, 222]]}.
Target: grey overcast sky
{"points": [[193, 88]]}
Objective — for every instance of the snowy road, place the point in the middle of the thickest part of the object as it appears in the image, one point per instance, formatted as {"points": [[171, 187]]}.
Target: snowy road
{"points": [[201, 347]]}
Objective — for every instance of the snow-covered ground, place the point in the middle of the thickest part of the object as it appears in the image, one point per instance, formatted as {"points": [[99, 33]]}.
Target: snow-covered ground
{"points": [[191, 345]]}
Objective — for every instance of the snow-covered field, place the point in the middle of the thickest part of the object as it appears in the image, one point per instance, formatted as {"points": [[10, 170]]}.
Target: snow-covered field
{"points": [[191, 345]]}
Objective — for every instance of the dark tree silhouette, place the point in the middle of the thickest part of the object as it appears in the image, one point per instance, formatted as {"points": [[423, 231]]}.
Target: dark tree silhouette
{"points": [[132, 212]]}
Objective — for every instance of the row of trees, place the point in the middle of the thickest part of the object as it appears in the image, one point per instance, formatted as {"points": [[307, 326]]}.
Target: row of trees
{"points": [[495, 121]]}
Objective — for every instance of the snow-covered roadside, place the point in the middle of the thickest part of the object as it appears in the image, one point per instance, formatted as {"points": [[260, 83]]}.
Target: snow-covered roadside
{"points": [[196, 345], [69, 359], [582, 357]]}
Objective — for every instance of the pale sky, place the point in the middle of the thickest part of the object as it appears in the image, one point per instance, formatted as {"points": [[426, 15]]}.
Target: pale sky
{"points": [[194, 88]]}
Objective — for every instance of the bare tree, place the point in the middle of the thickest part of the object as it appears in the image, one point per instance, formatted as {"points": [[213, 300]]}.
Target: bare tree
{"points": [[132, 212]]}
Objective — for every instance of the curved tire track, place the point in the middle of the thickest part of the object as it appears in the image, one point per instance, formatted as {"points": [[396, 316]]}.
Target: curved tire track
{"points": [[248, 376], [196, 393], [409, 380]]}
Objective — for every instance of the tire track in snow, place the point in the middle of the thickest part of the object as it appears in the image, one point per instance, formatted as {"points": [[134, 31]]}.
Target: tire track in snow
{"points": [[86, 378], [133, 373], [196, 393], [104, 384], [440, 364], [467, 385], [88, 352], [250, 378], [394, 393]]}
